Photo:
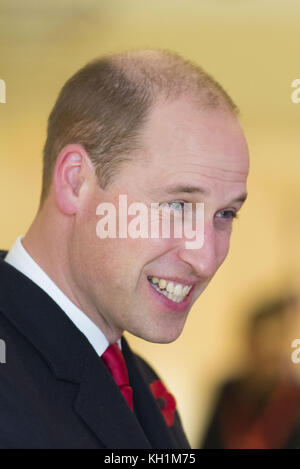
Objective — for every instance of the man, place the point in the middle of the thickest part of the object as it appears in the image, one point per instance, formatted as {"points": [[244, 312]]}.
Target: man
{"points": [[157, 129]]}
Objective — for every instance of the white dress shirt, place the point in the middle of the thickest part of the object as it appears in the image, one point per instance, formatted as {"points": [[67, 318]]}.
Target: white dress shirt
{"points": [[19, 258]]}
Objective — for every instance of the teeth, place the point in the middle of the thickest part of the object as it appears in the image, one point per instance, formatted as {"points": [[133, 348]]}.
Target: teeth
{"points": [[178, 290], [175, 293], [162, 284]]}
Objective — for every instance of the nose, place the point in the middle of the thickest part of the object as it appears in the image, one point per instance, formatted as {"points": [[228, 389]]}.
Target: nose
{"points": [[203, 260]]}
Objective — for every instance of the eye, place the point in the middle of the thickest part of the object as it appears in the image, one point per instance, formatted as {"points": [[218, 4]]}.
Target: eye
{"points": [[176, 205], [227, 214]]}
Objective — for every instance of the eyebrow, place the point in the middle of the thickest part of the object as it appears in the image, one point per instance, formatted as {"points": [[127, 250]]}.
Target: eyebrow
{"points": [[188, 189]]}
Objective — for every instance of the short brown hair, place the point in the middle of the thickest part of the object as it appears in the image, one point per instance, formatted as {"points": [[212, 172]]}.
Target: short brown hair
{"points": [[105, 104]]}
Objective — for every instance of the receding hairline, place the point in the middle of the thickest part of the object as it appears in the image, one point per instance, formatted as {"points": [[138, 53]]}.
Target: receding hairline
{"points": [[171, 75]]}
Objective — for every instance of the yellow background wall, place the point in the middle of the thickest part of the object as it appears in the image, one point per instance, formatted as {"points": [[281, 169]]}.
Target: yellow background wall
{"points": [[252, 48]]}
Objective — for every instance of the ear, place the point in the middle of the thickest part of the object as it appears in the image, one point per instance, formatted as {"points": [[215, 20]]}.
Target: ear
{"points": [[71, 171]]}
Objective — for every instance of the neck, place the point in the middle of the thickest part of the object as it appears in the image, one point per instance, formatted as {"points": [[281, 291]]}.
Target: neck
{"points": [[47, 242]]}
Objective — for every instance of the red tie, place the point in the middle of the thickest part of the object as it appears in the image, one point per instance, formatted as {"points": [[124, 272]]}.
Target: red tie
{"points": [[114, 360]]}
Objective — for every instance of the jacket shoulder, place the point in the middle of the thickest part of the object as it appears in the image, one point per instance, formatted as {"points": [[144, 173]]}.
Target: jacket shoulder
{"points": [[2, 254]]}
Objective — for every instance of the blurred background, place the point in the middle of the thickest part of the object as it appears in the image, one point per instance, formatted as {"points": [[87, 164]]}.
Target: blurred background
{"points": [[252, 48]]}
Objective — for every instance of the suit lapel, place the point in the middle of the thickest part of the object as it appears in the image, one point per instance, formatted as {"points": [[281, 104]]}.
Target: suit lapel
{"points": [[103, 408], [146, 407]]}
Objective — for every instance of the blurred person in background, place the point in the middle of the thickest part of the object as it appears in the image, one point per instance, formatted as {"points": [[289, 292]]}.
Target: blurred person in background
{"points": [[260, 408]]}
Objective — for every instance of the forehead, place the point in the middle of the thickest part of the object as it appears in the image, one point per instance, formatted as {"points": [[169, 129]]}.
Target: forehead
{"points": [[183, 145], [180, 140], [182, 130]]}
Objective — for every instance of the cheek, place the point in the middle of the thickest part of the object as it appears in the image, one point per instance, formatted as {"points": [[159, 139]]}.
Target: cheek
{"points": [[222, 246], [121, 261]]}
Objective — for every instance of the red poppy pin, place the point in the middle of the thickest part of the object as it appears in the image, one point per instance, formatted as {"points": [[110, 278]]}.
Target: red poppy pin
{"points": [[165, 401]]}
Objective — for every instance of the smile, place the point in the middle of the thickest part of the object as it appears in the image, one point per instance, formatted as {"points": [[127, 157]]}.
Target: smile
{"points": [[175, 292]]}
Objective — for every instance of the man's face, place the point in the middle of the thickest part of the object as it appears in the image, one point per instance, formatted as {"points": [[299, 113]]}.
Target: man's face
{"points": [[183, 146]]}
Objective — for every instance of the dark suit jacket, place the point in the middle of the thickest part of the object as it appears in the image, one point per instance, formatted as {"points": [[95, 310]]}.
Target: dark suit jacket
{"points": [[55, 391]]}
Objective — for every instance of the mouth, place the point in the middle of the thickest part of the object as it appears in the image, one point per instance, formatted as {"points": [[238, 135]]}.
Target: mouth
{"points": [[175, 292]]}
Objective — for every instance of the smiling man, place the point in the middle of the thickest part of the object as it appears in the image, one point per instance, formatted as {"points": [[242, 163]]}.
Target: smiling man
{"points": [[158, 129]]}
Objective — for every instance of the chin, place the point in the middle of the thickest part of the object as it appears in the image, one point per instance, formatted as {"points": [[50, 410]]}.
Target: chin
{"points": [[159, 337]]}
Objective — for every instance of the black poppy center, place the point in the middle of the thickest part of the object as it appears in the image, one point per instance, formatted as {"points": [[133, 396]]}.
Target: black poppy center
{"points": [[162, 403]]}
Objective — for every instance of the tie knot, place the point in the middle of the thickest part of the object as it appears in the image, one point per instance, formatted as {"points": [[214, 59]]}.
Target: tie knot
{"points": [[114, 360]]}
